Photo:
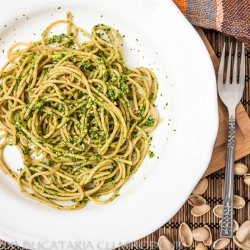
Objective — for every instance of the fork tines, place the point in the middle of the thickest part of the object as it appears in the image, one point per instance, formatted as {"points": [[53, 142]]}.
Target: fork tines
{"points": [[235, 65], [225, 89]]}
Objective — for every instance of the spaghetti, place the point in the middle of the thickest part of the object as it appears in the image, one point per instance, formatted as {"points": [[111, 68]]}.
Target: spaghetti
{"points": [[79, 117]]}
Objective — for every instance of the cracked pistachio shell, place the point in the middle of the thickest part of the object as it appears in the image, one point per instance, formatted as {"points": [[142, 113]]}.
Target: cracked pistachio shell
{"points": [[240, 168], [201, 187], [196, 200], [241, 245], [247, 179], [200, 234], [200, 246], [165, 244], [209, 241], [243, 233], [218, 210], [200, 210], [221, 243], [235, 226], [239, 202], [185, 234]]}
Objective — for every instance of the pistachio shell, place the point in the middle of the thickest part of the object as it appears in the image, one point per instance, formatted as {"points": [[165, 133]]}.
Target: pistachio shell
{"points": [[165, 244], [235, 225], [200, 246], [247, 179], [243, 233], [200, 210], [209, 241], [241, 245], [201, 187], [239, 202], [185, 235], [240, 168], [196, 200], [200, 234], [218, 210], [221, 243]]}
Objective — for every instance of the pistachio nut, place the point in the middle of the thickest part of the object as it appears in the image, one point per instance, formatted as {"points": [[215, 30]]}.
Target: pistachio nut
{"points": [[209, 241], [241, 245], [218, 210], [200, 234], [221, 243], [247, 179], [201, 187], [200, 246], [185, 234], [240, 168], [165, 244], [243, 233], [239, 202], [200, 210], [196, 200]]}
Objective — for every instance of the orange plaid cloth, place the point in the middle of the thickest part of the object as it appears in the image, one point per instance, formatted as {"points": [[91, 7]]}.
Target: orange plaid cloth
{"points": [[231, 17]]}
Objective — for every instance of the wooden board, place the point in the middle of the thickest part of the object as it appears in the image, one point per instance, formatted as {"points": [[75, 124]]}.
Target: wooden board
{"points": [[242, 133]]}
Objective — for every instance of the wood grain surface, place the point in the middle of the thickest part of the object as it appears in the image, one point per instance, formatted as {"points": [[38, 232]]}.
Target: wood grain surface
{"points": [[242, 133]]}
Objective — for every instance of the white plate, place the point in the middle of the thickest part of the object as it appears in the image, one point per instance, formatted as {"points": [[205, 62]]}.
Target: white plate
{"points": [[156, 36]]}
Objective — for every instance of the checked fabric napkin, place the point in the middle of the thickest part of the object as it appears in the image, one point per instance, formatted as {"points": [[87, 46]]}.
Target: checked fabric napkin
{"points": [[231, 17]]}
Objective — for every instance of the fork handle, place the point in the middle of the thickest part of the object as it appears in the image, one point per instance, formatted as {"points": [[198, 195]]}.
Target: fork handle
{"points": [[227, 216]]}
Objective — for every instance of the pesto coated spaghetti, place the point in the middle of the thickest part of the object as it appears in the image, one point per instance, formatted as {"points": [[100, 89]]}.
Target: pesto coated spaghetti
{"points": [[78, 115]]}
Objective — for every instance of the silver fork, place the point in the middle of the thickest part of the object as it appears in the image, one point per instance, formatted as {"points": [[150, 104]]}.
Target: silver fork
{"points": [[230, 94]]}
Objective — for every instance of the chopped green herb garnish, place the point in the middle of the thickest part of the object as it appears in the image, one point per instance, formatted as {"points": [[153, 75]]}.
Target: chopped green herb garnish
{"points": [[151, 154]]}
